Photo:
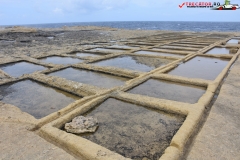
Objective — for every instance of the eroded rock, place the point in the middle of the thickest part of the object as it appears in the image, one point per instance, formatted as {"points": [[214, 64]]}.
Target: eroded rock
{"points": [[233, 51], [82, 124]]}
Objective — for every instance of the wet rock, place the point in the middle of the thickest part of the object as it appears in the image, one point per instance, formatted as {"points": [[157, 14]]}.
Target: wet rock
{"points": [[82, 124]]}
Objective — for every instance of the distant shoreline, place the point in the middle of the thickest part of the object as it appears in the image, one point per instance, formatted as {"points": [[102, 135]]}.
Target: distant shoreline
{"points": [[147, 25]]}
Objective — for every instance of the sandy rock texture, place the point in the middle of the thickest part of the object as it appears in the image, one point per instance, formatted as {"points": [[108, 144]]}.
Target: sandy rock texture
{"points": [[219, 137], [82, 124], [18, 143]]}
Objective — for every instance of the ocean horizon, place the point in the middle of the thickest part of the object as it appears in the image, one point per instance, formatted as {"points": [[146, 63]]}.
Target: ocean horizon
{"points": [[148, 25]]}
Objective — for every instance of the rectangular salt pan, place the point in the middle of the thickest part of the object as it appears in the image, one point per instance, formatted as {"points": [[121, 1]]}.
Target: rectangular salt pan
{"points": [[90, 77], [133, 131], [19, 68], [35, 98]]}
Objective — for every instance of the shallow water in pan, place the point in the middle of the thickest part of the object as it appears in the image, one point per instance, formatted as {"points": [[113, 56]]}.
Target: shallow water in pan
{"points": [[159, 54], [90, 77], [201, 67], [19, 68], [133, 131], [169, 90], [35, 98], [108, 50], [138, 63], [61, 60], [218, 50]]}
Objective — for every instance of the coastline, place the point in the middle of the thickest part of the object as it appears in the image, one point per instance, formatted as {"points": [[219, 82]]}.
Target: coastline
{"points": [[28, 44]]}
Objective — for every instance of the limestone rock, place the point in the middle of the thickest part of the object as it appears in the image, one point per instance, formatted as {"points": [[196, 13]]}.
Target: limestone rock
{"points": [[82, 124], [233, 51]]}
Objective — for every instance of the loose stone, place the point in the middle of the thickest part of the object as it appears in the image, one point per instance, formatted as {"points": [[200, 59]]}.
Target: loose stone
{"points": [[82, 124]]}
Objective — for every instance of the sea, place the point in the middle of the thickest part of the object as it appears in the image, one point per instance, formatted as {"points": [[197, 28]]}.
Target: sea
{"points": [[151, 25]]}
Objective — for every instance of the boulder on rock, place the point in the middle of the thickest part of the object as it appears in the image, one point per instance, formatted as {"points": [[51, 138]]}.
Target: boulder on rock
{"points": [[82, 124]]}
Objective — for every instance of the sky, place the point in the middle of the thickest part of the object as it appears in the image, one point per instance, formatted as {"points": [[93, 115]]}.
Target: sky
{"points": [[16, 12]]}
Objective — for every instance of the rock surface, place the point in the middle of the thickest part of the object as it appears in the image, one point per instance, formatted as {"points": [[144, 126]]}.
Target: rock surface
{"points": [[82, 124], [219, 137], [233, 51]]}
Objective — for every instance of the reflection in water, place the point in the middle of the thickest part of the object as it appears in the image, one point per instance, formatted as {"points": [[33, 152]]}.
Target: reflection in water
{"points": [[218, 50], [61, 60], [87, 54], [90, 77], [178, 47], [233, 41], [124, 46], [133, 131], [201, 67], [107, 50], [34, 98], [169, 90], [20, 68], [159, 54], [144, 64]]}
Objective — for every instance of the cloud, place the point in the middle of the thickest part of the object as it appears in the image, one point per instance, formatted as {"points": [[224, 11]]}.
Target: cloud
{"points": [[88, 6], [57, 10]]}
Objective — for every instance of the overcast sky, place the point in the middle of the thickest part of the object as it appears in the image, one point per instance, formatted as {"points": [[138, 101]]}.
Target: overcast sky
{"points": [[13, 12]]}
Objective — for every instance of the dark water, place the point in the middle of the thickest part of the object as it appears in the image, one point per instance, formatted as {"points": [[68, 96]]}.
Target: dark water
{"points": [[90, 77], [35, 98], [60, 60], [134, 63], [219, 50], [153, 25], [20, 68], [159, 53], [169, 90], [201, 67], [133, 131]]}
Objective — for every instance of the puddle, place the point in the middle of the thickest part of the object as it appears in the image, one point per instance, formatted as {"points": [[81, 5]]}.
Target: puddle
{"points": [[124, 47], [169, 90], [218, 50], [34, 98], [7, 41], [233, 41], [83, 54], [89, 45], [195, 43], [178, 48], [50, 37], [20, 68], [201, 67], [144, 64], [60, 60], [107, 50], [187, 45], [90, 77], [141, 44], [159, 54], [60, 34], [133, 131], [172, 50]]}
